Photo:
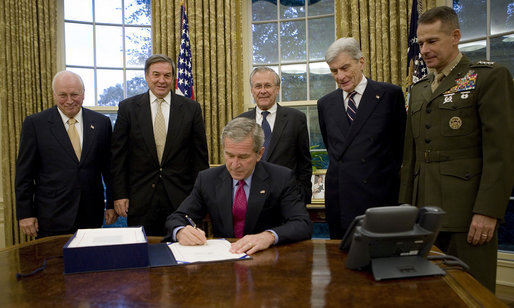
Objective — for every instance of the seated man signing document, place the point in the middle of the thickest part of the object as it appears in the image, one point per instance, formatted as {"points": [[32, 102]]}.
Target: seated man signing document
{"points": [[248, 199]]}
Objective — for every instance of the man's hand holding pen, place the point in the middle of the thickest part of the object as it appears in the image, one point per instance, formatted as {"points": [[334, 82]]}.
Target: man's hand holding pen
{"points": [[190, 235]]}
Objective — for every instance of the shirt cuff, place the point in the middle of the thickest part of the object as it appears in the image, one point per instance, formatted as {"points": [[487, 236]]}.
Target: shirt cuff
{"points": [[275, 235], [175, 231]]}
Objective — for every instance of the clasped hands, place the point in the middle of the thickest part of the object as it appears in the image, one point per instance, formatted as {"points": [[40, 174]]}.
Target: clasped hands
{"points": [[249, 244]]}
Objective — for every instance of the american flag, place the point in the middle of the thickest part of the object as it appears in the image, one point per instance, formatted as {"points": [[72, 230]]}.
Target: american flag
{"points": [[184, 84], [416, 68]]}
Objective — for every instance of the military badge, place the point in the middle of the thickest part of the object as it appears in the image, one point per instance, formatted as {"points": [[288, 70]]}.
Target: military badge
{"points": [[448, 98], [464, 95], [468, 82], [455, 123]]}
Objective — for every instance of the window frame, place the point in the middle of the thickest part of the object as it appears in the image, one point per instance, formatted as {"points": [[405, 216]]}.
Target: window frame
{"points": [[61, 53]]}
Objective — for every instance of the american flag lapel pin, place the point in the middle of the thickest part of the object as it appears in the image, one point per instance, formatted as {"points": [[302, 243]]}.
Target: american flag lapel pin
{"points": [[262, 191]]}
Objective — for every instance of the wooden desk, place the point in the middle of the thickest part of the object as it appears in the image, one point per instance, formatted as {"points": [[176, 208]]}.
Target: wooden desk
{"points": [[305, 274]]}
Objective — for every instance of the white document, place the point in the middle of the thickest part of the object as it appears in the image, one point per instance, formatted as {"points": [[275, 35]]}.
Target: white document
{"points": [[214, 250], [107, 236]]}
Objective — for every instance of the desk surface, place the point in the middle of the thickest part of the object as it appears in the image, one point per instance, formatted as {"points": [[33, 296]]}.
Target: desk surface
{"points": [[309, 273]]}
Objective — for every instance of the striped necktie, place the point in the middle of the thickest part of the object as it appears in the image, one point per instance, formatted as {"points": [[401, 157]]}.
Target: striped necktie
{"points": [[351, 111]]}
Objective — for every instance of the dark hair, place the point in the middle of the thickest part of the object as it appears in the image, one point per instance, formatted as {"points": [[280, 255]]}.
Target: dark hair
{"points": [[157, 58], [447, 16]]}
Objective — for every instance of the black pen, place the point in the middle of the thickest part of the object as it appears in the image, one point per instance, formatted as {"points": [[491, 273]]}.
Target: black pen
{"points": [[191, 222]]}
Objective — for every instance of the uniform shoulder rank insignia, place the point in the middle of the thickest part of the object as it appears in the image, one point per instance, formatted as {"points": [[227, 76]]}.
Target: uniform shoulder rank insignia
{"points": [[468, 82], [483, 64]]}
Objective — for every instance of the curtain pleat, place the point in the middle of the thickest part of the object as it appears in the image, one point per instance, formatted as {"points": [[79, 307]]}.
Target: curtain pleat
{"points": [[381, 27], [27, 58], [215, 30]]}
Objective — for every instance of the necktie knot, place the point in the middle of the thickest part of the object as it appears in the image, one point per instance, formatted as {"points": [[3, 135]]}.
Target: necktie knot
{"points": [[241, 183], [265, 114], [352, 94], [72, 121], [437, 80]]}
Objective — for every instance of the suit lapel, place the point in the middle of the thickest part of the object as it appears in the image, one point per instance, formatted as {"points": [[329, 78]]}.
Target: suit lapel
{"points": [[259, 191], [370, 98], [88, 133], [278, 129], [174, 126], [58, 129], [339, 112], [224, 201], [144, 119]]}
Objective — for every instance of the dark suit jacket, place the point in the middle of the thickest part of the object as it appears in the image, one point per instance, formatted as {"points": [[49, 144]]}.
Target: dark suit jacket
{"points": [[289, 146], [51, 184], [365, 157], [273, 204], [135, 166]]}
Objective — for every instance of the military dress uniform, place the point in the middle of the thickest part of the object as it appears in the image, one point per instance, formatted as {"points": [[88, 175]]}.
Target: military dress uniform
{"points": [[458, 154]]}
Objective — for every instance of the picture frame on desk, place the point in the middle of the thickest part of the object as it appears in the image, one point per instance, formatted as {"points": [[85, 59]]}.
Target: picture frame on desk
{"points": [[318, 186]]}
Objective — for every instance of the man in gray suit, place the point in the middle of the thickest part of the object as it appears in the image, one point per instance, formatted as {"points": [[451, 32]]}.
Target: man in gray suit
{"points": [[286, 136]]}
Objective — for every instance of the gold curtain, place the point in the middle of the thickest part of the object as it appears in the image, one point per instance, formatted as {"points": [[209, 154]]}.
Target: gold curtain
{"points": [[27, 59], [381, 27], [215, 30]]}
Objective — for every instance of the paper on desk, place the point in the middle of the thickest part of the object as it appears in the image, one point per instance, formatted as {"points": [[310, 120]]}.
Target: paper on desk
{"points": [[107, 236], [214, 250]]}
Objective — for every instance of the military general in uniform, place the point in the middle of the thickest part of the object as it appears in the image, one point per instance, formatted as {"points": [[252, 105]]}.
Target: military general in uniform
{"points": [[458, 145]]}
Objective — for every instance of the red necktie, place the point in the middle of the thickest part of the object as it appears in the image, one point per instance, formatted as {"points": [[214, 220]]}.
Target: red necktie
{"points": [[239, 210]]}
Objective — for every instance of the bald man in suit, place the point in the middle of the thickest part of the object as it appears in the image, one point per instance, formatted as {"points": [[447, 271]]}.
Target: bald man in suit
{"points": [[59, 178]]}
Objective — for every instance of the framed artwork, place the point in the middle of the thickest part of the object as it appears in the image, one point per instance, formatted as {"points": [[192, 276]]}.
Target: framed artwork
{"points": [[318, 186]]}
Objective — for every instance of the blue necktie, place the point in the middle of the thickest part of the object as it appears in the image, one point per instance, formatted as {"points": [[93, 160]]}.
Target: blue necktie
{"points": [[352, 107], [267, 133]]}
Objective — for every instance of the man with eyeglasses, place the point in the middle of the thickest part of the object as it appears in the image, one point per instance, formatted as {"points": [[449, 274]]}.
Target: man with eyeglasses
{"points": [[286, 136]]}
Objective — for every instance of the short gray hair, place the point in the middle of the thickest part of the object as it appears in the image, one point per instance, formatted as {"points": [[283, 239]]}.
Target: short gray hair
{"points": [[158, 58], [344, 44], [67, 73], [241, 128], [262, 69]]}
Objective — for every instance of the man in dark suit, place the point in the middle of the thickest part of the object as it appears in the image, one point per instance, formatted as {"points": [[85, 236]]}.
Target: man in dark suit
{"points": [[458, 144], [288, 141], [158, 148], [246, 197], [363, 125], [64, 155]]}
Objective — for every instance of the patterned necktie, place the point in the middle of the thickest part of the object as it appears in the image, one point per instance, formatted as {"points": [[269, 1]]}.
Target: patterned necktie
{"points": [[239, 209], [437, 80], [352, 107], [159, 130], [74, 137], [267, 133]]}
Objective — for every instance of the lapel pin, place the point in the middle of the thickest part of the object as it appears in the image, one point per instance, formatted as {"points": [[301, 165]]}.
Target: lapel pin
{"points": [[92, 127], [378, 96], [262, 191]]}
